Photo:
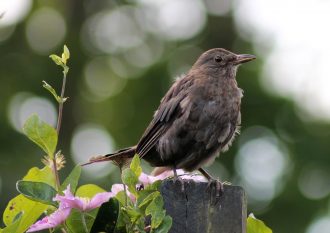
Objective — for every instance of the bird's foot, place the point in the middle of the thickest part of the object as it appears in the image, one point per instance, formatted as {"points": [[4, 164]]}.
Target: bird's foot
{"points": [[180, 180], [215, 185], [176, 178]]}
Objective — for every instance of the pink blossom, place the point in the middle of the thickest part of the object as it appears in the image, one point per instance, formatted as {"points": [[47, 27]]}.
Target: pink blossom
{"points": [[83, 203], [68, 202], [116, 188], [51, 221], [148, 179]]}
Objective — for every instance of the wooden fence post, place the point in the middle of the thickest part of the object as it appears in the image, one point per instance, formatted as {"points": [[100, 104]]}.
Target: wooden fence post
{"points": [[194, 209]]}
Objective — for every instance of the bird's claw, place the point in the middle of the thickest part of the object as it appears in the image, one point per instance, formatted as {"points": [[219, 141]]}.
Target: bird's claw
{"points": [[216, 185], [180, 180]]}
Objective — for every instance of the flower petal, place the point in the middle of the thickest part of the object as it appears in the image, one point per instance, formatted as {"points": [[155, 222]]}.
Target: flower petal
{"points": [[81, 203], [116, 188], [98, 200], [166, 174], [145, 179], [148, 179], [51, 221], [69, 200]]}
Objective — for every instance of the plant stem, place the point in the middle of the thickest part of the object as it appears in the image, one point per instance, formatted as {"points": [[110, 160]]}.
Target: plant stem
{"points": [[125, 191], [125, 188], [60, 107], [66, 228], [84, 222], [57, 179], [58, 126]]}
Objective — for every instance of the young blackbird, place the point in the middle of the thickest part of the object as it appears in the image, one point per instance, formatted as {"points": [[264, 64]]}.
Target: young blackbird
{"points": [[196, 119]]}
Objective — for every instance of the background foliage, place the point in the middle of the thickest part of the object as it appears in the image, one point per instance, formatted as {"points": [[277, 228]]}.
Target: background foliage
{"points": [[124, 55]]}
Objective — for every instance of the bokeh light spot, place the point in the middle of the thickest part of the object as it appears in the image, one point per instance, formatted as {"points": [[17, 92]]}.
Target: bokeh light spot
{"points": [[113, 31], [319, 225], [23, 105], [101, 81], [314, 182], [45, 30], [218, 7], [13, 11], [296, 48], [123, 68], [179, 19], [144, 55], [91, 140], [262, 163]]}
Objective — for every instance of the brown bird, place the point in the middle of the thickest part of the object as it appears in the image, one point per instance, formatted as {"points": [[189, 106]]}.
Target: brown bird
{"points": [[196, 119]]}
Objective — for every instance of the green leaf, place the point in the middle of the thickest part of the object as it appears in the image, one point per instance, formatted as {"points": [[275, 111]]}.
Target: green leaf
{"points": [[31, 210], [130, 179], [132, 213], [37, 191], [154, 186], [74, 221], [57, 60], [136, 165], [42, 134], [52, 91], [157, 219], [155, 209], [122, 221], [13, 227], [155, 205], [72, 179], [165, 226], [41, 175], [256, 226], [89, 190], [18, 216], [65, 54], [148, 199], [106, 217], [121, 197]]}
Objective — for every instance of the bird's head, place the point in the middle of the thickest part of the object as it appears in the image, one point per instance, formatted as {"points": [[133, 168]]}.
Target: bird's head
{"points": [[220, 61]]}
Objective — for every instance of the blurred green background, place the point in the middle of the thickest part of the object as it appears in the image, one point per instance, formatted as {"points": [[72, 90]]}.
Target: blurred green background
{"points": [[124, 57]]}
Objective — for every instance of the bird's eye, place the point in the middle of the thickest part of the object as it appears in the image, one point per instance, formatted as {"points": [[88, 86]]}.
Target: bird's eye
{"points": [[218, 58]]}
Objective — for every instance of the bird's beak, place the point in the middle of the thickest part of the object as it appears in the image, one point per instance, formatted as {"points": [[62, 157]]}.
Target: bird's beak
{"points": [[242, 58]]}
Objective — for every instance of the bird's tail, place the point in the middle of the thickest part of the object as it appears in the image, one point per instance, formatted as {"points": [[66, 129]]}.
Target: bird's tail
{"points": [[120, 157]]}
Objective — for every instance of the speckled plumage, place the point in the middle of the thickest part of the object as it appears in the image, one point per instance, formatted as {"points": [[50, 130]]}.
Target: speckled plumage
{"points": [[197, 118]]}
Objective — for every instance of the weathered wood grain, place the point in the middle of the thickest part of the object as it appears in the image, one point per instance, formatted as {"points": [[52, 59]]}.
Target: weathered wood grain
{"points": [[195, 209]]}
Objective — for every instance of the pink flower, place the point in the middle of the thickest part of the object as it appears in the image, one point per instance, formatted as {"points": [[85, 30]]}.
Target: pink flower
{"points": [[148, 179], [51, 221], [116, 188], [67, 202], [83, 203]]}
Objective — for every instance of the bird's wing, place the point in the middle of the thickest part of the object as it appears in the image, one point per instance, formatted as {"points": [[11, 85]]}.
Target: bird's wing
{"points": [[168, 110]]}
